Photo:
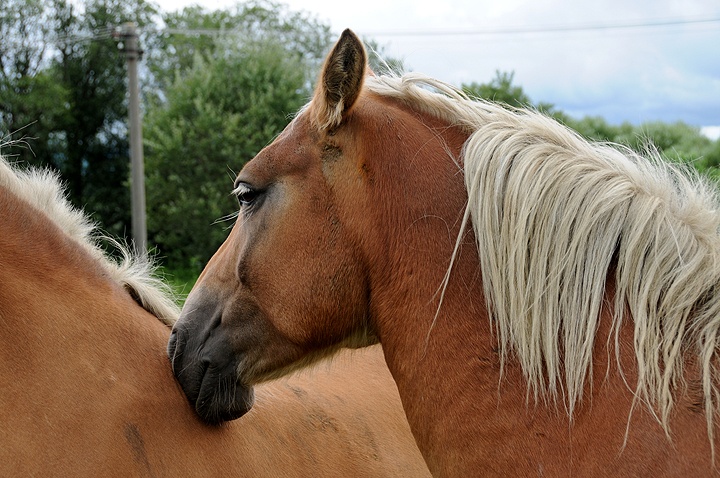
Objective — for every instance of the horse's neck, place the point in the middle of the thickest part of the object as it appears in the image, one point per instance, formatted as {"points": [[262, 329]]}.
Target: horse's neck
{"points": [[464, 415], [445, 366], [468, 419], [445, 363]]}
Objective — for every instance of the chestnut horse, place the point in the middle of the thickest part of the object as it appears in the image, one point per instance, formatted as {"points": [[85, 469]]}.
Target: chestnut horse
{"points": [[86, 388], [546, 306]]}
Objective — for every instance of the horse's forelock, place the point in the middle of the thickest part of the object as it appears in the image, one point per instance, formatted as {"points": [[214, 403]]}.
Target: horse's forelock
{"points": [[43, 190]]}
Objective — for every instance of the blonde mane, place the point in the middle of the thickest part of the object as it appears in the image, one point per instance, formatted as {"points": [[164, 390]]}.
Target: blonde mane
{"points": [[555, 217], [43, 190]]}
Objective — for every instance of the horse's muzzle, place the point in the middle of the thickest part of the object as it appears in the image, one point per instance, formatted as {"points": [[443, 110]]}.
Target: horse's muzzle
{"points": [[206, 368]]}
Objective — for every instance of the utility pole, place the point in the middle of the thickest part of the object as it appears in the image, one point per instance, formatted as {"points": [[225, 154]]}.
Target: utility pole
{"points": [[133, 54]]}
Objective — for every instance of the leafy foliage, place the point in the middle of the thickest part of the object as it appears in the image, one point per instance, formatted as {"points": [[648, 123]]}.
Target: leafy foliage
{"points": [[197, 31], [676, 142], [219, 115], [94, 161], [500, 89], [31, 98], [63, 88]]}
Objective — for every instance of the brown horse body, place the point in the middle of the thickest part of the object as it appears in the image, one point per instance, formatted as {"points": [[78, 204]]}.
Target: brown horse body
{"points": [[348, 222], [86, 388]]}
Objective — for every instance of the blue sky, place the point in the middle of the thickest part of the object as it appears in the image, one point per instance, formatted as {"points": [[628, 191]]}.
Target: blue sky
{"points": [[666, 73]]}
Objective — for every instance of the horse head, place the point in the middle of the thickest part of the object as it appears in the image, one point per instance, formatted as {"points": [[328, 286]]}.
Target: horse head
{"points": [[289, 284]]}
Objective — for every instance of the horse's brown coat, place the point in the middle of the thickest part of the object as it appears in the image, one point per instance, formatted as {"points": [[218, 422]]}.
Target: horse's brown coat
{"points": [[86, 388], [351, 239]]}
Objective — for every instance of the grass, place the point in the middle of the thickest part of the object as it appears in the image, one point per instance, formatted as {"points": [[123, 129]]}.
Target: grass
{"points": [[181, 281]]}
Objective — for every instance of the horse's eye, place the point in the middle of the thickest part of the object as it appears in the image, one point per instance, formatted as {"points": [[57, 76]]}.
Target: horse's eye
{"points": [[245, 194]]}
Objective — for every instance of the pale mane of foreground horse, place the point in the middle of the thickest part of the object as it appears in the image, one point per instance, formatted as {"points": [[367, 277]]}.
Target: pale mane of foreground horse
{"points": [[43, 190], [555, 218]]}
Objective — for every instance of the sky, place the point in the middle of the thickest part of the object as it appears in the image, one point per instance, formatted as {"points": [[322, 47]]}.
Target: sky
{"points": [[560, 51]]}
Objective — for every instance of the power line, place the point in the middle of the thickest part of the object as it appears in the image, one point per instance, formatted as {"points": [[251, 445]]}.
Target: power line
{"points": [[104, 33], [489, 31], [547, 28], [197, 31]]}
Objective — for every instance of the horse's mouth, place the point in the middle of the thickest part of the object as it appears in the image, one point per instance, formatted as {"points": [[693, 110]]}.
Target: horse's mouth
{"points": [[221, 397], [208, 378]]}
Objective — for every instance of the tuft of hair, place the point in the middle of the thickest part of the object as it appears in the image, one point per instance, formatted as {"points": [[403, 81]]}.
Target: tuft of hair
{"points": [[43, 190], [554, 215]]}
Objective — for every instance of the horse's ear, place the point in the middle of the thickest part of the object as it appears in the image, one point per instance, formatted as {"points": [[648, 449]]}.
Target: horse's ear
{"points": [[340, 81]]}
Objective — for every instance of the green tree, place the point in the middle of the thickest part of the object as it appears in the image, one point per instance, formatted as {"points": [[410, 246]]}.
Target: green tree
{"points": [[500, 89], [195, 31], [710, 162], [677, 141], [63, 88], [95, 162], [227, 81], [215, 118], [31, 98], [596, 128]]}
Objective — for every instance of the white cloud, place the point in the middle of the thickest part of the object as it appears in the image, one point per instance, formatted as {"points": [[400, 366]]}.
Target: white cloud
{"points": [[712, 132]]}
